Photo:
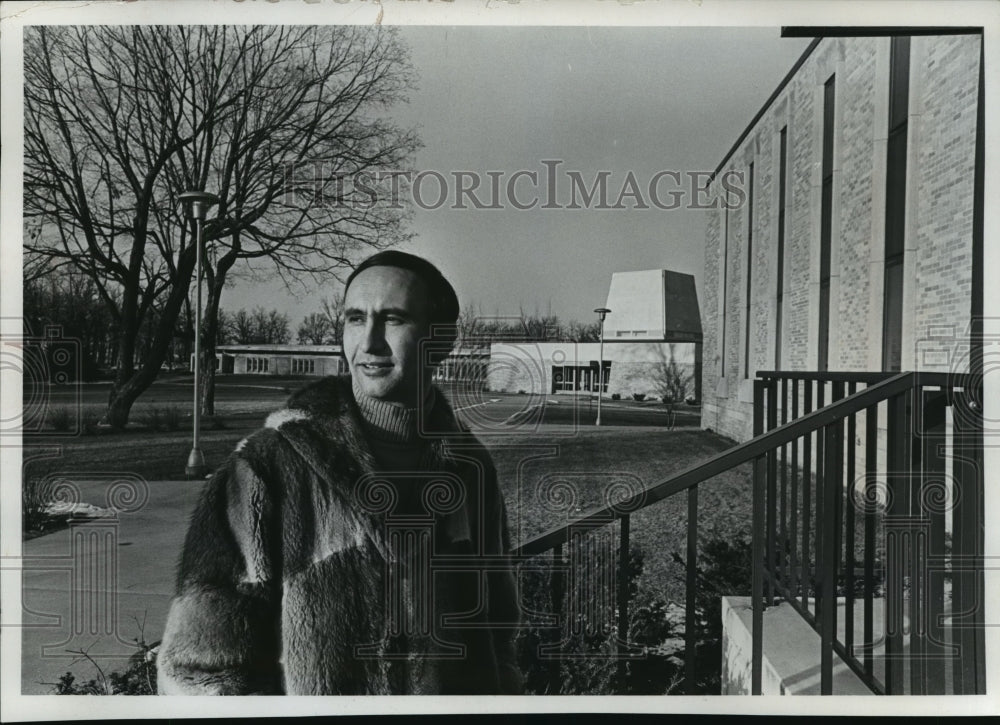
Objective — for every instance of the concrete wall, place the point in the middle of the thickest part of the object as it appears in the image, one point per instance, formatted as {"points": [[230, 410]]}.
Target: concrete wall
{"points": [[938, 228], [636, 367]]}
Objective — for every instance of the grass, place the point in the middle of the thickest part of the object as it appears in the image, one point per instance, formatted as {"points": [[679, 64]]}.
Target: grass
{"points": [[159, 456], [596, 461]]}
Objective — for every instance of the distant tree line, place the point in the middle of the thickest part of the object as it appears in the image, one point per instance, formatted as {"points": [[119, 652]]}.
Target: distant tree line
{"points": [[72, 302], [476, 329]]}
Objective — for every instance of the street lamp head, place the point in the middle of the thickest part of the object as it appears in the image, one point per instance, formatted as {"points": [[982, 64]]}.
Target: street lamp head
{"points": [[196, 203], [602, 312]]}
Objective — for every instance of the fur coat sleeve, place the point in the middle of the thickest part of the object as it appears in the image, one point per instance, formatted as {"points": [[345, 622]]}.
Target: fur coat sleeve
{"points": [[222, 633]]}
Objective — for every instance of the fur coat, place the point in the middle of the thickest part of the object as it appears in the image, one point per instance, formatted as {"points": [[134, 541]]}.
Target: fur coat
{"points": [[307, 571]]}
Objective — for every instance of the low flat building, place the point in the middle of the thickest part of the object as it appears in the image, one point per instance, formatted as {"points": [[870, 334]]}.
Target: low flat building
{"points": [[262, 359]]}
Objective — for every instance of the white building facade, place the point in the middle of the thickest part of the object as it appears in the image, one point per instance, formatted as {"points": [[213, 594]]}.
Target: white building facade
{"points": [[652, 346]]}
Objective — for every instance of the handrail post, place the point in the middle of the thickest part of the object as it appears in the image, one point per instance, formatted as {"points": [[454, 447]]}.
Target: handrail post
{"points": [[967, 546], [623, 601], [558, 592], [757, 597], [933, 491], [690, 615], [897, 493], [832, 469], [770, 523]]}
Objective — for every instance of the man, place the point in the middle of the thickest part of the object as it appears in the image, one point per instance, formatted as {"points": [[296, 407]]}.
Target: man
{"points": [[357, 543]]}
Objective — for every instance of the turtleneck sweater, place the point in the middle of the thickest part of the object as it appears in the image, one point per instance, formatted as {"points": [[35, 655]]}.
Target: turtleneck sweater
{"points": [[393, 431]]}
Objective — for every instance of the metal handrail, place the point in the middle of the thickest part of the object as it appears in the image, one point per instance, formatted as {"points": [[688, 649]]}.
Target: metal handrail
{"points": [[912, 475], [735, 456], [769, 439]]}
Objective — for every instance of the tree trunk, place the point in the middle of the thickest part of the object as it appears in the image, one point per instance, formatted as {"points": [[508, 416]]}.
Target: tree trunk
{"points": [[210, 329], [130, 384]]}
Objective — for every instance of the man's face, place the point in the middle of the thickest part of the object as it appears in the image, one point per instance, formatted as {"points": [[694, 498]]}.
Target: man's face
{"points": [[385, 318]]}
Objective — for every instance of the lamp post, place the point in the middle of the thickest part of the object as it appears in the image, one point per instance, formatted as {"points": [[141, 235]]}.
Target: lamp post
{"points": [[196, 204], [602, 312]]}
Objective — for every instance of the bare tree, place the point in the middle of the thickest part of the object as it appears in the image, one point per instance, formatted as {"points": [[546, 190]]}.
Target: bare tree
{"points": [[315, 329], [284, 123], [333, 311], [270, 326], [257, 327], [242, 330], [583, 331], [69, 301], [224, 331], [672, 380]]}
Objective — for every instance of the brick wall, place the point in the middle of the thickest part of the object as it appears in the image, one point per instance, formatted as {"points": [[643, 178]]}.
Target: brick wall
{"points": [[943, 85]]}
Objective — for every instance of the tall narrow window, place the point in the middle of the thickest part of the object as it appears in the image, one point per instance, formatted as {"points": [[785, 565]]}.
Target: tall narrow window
{"points": [[749, 275], [895, 204], [780, 291], [829, 97], [725, 286]]}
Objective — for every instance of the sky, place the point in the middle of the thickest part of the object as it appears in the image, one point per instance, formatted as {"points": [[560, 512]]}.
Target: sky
{"points": [[620, 100]]}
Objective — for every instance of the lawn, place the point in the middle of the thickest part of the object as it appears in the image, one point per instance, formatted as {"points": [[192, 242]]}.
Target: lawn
{"points": [[596, 463]]}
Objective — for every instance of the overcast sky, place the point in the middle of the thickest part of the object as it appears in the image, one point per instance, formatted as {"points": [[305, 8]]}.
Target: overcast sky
{"points": [[621, 100]]}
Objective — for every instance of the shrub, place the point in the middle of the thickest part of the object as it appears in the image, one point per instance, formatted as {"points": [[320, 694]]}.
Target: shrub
{"points": [[668, 398], [725, 569], [33, 503], [588, 664], [138, 678], [62, 418], [522, 392], [91, 422], [153, 417], [691, 400], [656, 631], [172, 417], [163, 417], [616, 396], [638, 397], [214, 422]]}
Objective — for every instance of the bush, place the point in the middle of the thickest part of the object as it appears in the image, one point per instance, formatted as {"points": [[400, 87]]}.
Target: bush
{"points": [[638, 397], [725, 569], [168, 417], [33, 504], [139, 677], [587, 664], [616, 396], [668, 399], [153, 417], [172, 418], [691, 400], [91, 421], [214, 422], [62, 418]]}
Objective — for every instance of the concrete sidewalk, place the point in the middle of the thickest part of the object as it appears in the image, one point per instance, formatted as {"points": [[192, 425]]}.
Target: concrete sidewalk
{"points": [[91, 586]]}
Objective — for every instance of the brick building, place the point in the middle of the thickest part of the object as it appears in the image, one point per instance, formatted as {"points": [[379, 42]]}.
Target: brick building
{"points": [[843, 239]]}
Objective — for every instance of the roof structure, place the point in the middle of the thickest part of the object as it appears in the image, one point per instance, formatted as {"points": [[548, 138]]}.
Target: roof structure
{"points": [[653, 305]]}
